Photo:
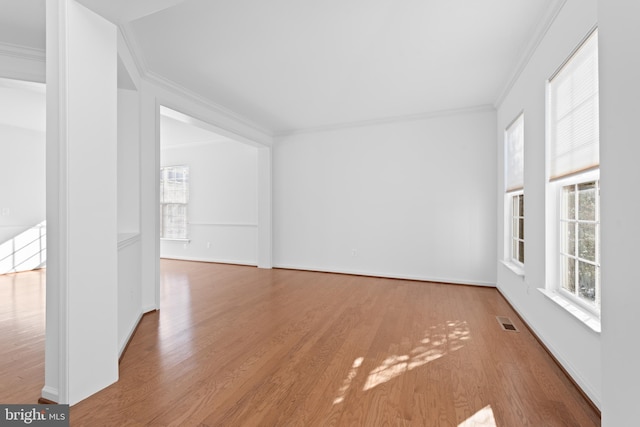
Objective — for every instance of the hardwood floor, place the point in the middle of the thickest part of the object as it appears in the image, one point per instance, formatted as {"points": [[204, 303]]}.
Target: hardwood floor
{"points": [[22, 303], [239, 346]]}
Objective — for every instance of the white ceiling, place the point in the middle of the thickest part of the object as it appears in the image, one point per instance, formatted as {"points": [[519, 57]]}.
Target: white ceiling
{"points": [[297, 64]]}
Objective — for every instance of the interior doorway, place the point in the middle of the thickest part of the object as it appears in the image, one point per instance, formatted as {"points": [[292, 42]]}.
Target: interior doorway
{"points": [[208, 193]]}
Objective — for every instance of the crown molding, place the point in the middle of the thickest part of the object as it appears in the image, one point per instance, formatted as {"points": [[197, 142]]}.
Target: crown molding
{"points": [[387, 120], [541, 31], [126, 31], [22, 52], [194, 144], [154, 78], [174, 87]]}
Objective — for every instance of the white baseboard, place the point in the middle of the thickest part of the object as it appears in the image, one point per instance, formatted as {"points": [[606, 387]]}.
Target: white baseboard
{"points": [[451, 280], [50, 393], [126, 340], [216, 260], [566, 365]]}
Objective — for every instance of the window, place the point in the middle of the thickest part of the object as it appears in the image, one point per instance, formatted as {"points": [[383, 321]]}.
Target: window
{"points": [[514, 183], [574, 174], [579, 249], [517, 228], [174, 197]]}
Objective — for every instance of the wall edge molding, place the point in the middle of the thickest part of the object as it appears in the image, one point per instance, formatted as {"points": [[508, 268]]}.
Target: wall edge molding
{"points": [[532, 46], [565, 365], [22, 52], [388, 120]]}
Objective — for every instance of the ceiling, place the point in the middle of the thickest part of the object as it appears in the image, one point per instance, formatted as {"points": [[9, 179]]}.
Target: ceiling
{"points": [[297, 64]]}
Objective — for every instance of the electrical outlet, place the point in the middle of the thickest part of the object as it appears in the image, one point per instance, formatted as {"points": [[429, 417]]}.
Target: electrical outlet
{"points": [[208, 245], [353, 252], [5, 212]]}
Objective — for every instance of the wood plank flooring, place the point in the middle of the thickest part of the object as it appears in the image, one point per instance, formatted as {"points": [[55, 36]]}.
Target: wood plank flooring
{"points": [[22, 310], [239, 346]]}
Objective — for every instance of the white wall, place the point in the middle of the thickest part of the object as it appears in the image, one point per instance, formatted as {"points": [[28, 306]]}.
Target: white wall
{"points": [[576, 346], [22, 163], [619, 35], [223, 206], [410, 199], [128, 161], [129, 249], [129, 290], [82, 326]]}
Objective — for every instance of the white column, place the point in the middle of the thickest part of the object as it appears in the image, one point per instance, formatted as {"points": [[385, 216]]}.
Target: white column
{"points": [[81, 344], [149, 198], [264, 208]]}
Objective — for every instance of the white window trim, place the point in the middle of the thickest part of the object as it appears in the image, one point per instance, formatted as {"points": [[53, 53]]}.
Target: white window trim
{"points": [[586, 313], [509, 260], [586, 317], [186, 205]]}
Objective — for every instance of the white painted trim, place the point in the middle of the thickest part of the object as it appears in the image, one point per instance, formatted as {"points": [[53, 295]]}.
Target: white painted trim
{"points": [[181, 91], [214, 260], [128, 59], [582, 383], [22, 52], [141, 8], [148, 309], [132, 329], [541, 31], [387, 120], [515, 268], [22, 63], [129, 39], [50, 393], [221, 224], [586, 318], [446, 280], [193, 144]]}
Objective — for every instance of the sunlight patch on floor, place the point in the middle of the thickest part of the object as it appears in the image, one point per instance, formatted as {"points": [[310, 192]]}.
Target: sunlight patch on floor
{"points": [[438, 341], [483, 418], [347, 381]]}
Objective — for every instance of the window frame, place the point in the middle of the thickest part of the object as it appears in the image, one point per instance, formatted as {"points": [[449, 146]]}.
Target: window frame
{"points": [[184, 205], [556, 182], [513, 191], [558, 187], [514, 232]]}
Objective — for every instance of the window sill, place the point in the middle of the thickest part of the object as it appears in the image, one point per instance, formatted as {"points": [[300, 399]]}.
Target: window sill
{"points": [[517, 269], [168, 239], [588, 319]]}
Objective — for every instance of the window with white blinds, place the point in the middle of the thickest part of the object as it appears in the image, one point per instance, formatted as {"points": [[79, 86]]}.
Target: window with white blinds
{"points": [[514, 155], [174, 200], [573, 112]]}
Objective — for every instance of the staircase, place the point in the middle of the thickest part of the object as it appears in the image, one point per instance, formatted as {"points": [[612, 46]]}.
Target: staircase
{"points": [[26, 251]]}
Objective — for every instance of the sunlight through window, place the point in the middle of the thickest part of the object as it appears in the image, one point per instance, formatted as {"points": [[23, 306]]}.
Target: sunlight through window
{"points": [[438, 341], [347, 381], [482, 418]]}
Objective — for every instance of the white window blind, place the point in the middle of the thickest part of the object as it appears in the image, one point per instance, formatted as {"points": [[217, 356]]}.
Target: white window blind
{"points": [[514, 155], [574, 113], [174, 199]]}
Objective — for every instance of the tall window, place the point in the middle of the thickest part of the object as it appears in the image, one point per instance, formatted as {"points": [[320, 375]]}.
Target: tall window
{"points": [[514, 182], [574, 173], [174, 197]]}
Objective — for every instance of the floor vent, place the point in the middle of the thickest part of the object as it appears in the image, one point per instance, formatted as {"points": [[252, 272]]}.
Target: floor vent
{"points": [[506, 324]]}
